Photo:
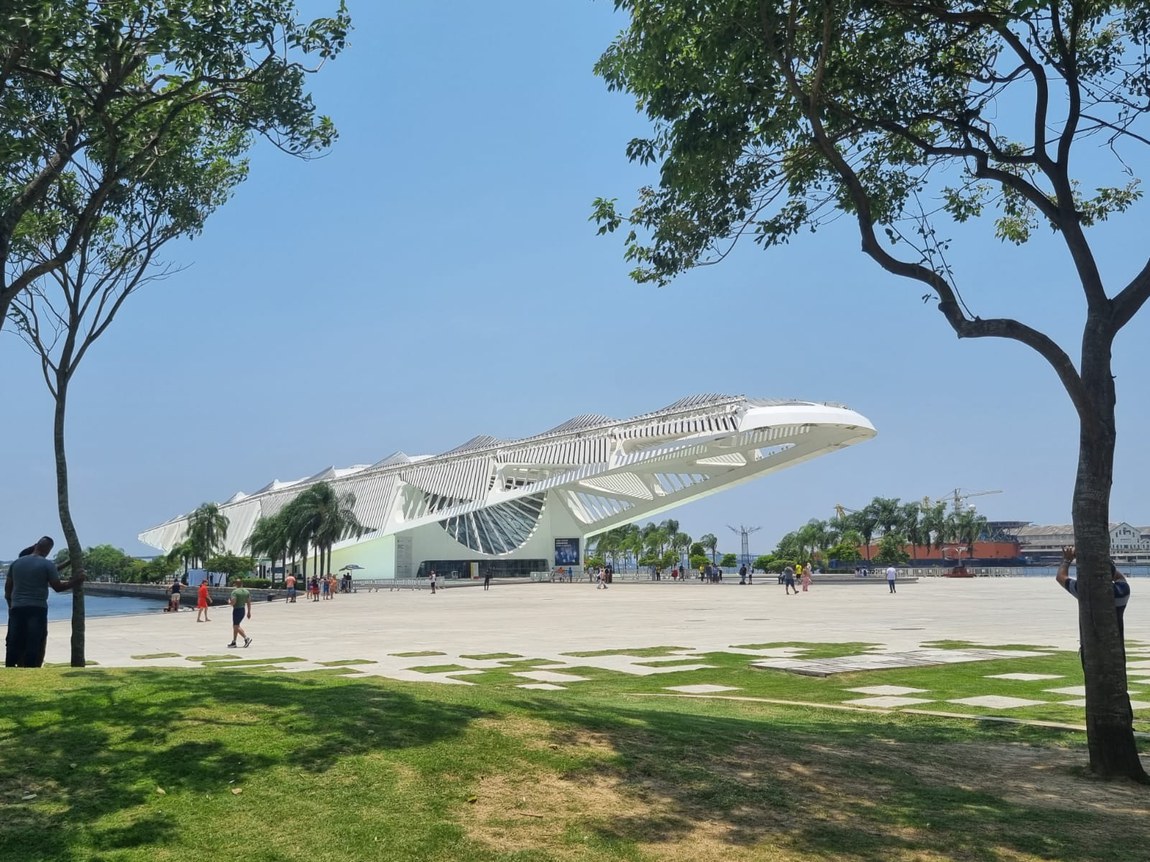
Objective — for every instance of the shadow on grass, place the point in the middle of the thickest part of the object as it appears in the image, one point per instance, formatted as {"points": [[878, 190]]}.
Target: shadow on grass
{"points": [[101, 748], [863, 788]]}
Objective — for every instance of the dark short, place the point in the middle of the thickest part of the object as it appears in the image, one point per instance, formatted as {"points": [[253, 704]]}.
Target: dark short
{"points": [[27, 637], [291, 592], [238, 615]]}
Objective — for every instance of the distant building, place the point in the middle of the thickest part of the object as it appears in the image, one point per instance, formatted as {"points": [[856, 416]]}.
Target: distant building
{"points": [[1043, 543], [513, 507]]}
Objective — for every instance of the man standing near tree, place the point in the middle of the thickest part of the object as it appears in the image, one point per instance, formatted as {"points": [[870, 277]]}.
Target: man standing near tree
{"points": [[26, 592], [1118, 583]]}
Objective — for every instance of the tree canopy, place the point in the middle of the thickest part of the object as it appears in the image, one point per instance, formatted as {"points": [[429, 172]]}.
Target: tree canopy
{"points": [[104, 92], [772, 117]]}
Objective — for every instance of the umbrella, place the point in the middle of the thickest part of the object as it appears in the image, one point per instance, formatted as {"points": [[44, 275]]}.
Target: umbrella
{"points": [[350, 566]]}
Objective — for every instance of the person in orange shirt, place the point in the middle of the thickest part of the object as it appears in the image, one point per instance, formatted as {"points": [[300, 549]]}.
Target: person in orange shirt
{"points": [[202, 602]]}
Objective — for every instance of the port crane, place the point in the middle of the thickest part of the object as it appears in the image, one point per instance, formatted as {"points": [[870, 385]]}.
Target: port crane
{"points": [[958, 497]]}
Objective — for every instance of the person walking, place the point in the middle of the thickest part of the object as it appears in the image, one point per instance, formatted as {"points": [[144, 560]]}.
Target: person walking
{"points": [[806, 577], [26, 592], [202, 602], [174, 597], [313, 588], [789, 580], [891, 575], [431, 580], [241, 602], [289, 583], [325, 588], [487, 579]]}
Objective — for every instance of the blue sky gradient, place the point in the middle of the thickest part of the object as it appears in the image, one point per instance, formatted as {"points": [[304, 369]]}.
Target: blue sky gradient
{"points": [[436, 277]]}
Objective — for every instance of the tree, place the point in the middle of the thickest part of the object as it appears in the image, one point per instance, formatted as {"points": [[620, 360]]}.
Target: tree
{"points": [[934, 525], [968, 527], [729, 561], [108, 563], [206, 533], [763, 562], [891, 550], [321, 516], [911, 525], [271, 538], [776, 117], [711, 542], [105, 90], [231, 565], [63, 313], [182, 553]]}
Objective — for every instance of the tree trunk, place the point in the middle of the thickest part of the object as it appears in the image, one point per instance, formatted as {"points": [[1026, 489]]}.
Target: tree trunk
{"points": [[75, 550], [1109, 720]]}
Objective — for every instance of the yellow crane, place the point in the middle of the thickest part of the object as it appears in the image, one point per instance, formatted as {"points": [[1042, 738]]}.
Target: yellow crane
{"points": [[957, 498]]}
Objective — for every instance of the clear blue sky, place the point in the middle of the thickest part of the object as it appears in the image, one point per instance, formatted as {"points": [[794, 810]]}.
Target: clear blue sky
{"points": [[435, 277]]}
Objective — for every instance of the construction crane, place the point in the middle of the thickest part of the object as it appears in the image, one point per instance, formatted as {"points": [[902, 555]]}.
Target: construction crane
{"points": [[958, 497], [841, 510]]}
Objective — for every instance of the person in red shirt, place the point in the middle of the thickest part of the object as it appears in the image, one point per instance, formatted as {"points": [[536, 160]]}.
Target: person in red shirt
{"points": [[202, 602]]}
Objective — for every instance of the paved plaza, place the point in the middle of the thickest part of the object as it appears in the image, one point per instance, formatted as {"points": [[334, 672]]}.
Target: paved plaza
{"points": [[547, 635], [551, 621]]}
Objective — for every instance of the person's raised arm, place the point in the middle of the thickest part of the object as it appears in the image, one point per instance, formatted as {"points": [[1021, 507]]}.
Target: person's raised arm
{"points": [[1063, 574]]}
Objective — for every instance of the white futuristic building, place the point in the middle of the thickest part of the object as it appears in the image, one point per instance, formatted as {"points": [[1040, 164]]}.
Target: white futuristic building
{"points": [[511, 507]]}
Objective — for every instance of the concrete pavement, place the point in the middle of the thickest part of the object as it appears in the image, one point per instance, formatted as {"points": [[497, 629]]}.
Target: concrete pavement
{"points": [[548, 620]]}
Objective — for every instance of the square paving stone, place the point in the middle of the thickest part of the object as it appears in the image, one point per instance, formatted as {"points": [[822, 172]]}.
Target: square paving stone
{"points": [[550, 676], [1134, 704], [1079, 690], [701, 689], [542, 686], [992, 701], [887, 689], [1026, 677], [885, 701]]}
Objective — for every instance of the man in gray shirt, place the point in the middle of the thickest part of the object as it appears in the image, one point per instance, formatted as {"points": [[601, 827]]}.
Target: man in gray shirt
{"points": [[26, 592]]}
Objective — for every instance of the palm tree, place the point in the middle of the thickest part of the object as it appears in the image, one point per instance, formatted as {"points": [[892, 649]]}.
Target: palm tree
{"points": [[181, 554], [320, 517], [913, 526], [933, 525], [888, 513], [207, 532], [968, 527], [813, 537], [269, 538], [632, 541], [865, 520], [680, 543], [711, 542]]}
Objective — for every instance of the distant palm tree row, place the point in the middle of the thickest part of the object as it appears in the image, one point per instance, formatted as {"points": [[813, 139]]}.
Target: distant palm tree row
{"points": [[662, 544], [310, 524], [897, 524]]}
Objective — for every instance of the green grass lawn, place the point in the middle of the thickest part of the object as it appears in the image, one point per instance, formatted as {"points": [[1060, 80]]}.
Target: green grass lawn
{"points": [[221, 763]]}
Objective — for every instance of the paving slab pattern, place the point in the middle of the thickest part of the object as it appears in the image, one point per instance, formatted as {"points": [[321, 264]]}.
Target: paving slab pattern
{"points": [[548, 621]]}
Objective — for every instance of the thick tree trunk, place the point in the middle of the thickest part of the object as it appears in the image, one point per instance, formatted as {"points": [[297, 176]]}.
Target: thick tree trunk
{"points": [[75, 549], [1109, 720]]}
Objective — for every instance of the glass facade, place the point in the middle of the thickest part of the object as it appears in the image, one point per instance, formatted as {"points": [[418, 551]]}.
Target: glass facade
{"points": [[496, 568], [498, 529]]}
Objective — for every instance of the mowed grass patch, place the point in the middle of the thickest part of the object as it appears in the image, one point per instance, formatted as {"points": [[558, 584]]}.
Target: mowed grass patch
{"points": [[143, 764], [156, 655], [953, 644], [492, 655], [632, 651], [816, 650]]}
